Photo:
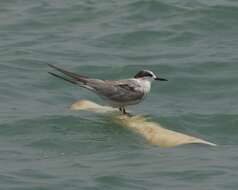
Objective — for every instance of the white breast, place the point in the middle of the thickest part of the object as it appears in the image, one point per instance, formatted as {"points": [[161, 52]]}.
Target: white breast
{"points": [[145, 85]]}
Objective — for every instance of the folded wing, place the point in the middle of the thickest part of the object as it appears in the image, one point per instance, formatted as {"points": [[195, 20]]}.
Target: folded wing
{"points": [[120, 91]]}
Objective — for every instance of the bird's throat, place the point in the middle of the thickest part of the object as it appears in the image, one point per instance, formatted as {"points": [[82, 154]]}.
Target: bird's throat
{"points": [[146, 86]]}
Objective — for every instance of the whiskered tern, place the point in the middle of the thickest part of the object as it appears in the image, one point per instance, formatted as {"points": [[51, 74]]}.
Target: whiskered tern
{"points": [[118, 93]]}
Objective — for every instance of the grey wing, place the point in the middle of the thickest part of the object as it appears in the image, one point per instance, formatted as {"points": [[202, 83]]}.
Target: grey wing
{"points": [[121, 91]]}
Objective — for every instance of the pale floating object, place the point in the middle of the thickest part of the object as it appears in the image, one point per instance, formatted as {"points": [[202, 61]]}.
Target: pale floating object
{"points": [[151, 131]]}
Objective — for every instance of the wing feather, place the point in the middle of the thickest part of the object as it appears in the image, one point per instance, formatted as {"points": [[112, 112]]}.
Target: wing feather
{"points": [[121, 91]]}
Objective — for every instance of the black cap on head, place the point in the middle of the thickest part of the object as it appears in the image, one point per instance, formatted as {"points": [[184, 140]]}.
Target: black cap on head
{"points": [[149, 74], [144, 73]]}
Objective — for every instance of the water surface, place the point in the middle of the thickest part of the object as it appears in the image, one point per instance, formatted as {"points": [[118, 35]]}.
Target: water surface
{"points": [[192, 43]]}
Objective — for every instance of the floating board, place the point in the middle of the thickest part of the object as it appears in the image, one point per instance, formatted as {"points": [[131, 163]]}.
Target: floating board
{"points": [[153, 132]]}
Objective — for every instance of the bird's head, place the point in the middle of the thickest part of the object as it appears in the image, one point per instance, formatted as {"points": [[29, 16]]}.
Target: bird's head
{"points": [[148, 75]]}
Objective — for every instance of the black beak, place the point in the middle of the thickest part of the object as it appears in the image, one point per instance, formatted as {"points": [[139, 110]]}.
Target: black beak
{"points": [[161, 79]]}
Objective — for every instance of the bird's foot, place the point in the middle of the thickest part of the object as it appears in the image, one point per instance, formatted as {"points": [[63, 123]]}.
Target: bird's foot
{"points": [[124, 112]]}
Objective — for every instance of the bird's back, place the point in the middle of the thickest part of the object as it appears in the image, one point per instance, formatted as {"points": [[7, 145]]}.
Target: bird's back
{"points": [[128, 91]]}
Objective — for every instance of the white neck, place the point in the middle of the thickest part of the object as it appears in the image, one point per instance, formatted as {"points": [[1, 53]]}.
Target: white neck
{"points": [[146, 81]]}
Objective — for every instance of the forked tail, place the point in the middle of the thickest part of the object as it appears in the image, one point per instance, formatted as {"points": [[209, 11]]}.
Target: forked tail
{"points": [[69, 76]]}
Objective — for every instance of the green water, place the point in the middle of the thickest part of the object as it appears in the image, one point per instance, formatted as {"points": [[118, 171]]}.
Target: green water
{"points": [[44, 146]]}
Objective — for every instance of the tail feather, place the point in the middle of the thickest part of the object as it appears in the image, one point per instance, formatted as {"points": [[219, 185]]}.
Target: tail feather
{"points": [[68, 73], [64, 78], [76, 77]]}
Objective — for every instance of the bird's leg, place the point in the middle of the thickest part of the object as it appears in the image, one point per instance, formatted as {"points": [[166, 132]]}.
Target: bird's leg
{"points": [[126, 113], [123, 110]]}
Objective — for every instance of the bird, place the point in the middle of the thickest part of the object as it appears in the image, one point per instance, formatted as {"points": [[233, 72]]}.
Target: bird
{"points": [[118, 93]]}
